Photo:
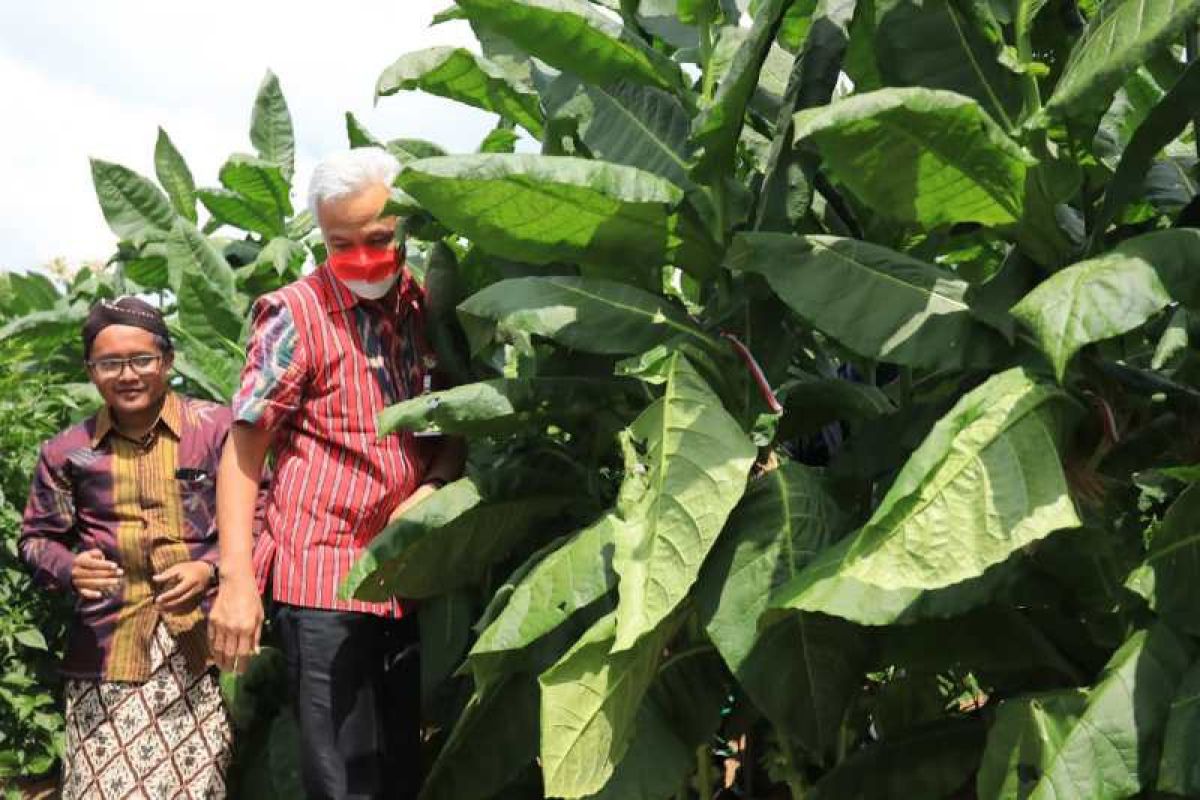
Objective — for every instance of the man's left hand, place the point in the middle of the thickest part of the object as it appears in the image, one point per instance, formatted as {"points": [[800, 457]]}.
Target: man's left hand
{"points": [[182, 585], [423, 491]]}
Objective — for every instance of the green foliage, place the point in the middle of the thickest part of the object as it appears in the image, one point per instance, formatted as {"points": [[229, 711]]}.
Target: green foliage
{"points": [[33, 406], [959, 552]]}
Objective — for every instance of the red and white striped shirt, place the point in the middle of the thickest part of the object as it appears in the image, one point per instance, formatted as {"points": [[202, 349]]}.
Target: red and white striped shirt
{"points": [[321, 364]]}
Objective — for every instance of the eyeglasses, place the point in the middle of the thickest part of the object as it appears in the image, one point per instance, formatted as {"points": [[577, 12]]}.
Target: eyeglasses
{"points": [[113, 367]]}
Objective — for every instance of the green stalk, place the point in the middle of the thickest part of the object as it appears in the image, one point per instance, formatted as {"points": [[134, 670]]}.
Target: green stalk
{"points": [[1029, 84], [1192, 45], [703, 773], [709, 83], [794, 779]]}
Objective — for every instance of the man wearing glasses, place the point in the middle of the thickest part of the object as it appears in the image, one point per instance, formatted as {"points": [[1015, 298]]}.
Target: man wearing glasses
{"points": [[122, 512]]}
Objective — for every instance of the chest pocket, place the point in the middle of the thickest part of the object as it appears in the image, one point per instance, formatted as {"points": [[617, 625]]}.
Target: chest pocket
{"points": [[197, 504]]}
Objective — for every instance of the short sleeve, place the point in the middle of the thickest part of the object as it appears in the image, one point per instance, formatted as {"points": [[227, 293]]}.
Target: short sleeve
{"points": [[276, 370]]}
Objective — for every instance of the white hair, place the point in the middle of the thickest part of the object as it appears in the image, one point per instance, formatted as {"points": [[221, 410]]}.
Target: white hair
{"points": [[349, 171]]}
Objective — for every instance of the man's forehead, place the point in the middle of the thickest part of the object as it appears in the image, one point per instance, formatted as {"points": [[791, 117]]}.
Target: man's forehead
{"points": [[355, 209], [114, 338]]}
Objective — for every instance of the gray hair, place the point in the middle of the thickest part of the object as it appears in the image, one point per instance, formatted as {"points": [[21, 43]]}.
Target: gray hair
{"points": [[349, 171]]}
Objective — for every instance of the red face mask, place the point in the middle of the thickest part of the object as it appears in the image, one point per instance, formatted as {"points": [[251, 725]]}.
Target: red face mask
{"points": [[365, 264]]}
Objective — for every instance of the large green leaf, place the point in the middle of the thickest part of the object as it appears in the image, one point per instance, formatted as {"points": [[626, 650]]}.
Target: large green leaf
{"points": [[590, 702], [49, 329], [494, 738], [445, 623], [786, 193], [358, 135], [1164, 122], [461, 75], [133, 206], [271, 126], [1111, 294], [695, 459], [826, 657], [1121, 35], [282, 257], [666, 20], [918, 313], [505, 703], [681, 710], [501, 139], [835, 593], [512, 405], [928, 761], [1051, 231], [985, 482], [589, 315], [1026, 730], [1110, 747], [1138, 95], [811, 403], [627, 123], [540, 209], [230, 208], [209, 305], [1170, 577], [213, 368], [22, 293], [952, 45], [801, 17], [925, 156], [784, 518], [447, 541], [260, 182], [575, 575], [715, 131], [175, 177], [575, 37], [1179, 771]]}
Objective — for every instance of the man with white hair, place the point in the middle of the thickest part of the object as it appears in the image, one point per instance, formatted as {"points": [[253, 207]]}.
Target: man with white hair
{"points": [[327, 353]]}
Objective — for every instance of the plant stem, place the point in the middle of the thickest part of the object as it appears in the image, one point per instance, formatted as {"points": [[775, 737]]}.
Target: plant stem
{"points": [[703, 773], [1192, 46], [709, 82], [794, 780], [1022, 22]]}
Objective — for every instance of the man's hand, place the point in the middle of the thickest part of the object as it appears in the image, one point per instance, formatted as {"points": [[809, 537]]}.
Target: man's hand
{"points": [[94, 576], [235, 624], [182, 585], [423, 491]]}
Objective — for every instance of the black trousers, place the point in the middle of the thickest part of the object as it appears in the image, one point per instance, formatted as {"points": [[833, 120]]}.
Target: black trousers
{"points": [[355, 683]]}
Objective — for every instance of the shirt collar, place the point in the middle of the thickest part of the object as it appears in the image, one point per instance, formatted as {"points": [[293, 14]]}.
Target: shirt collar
{"points": [[170, 417]]}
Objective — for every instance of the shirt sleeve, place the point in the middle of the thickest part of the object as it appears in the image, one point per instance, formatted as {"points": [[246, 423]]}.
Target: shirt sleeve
{"points": [[48, 533], [276, 369]]}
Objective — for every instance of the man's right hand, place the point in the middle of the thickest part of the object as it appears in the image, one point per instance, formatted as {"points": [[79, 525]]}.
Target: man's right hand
{"points": [[234, 624], [94, 576]]}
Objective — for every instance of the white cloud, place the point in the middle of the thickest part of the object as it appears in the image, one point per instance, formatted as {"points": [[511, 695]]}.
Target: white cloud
{"points": [[84, 79]]}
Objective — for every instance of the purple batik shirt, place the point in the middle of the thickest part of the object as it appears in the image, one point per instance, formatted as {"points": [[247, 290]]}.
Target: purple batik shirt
{"points": [[147, 506]]}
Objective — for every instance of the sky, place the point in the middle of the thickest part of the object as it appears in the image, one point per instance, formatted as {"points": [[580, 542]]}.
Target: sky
{"points": [[97, 79]]}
